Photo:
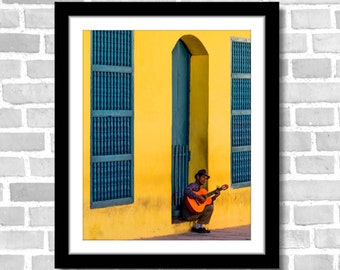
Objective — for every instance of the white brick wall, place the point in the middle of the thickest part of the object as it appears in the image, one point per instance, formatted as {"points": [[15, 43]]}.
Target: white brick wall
{"points": [[309, 128], [310, 137], [26, 135]]}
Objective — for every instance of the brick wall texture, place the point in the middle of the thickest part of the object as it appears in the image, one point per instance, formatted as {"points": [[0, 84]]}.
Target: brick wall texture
{"points": [[309, 134]]}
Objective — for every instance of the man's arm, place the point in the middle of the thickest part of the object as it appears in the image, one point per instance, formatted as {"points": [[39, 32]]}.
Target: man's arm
{"points": [[189, 190]]}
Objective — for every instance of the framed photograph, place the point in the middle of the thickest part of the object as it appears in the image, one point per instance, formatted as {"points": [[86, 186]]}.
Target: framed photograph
{"points": [[167, 123]]}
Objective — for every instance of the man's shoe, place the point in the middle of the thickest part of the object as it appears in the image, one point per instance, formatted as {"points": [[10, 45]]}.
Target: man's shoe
{"points": [[198, 230], [205, 230]]}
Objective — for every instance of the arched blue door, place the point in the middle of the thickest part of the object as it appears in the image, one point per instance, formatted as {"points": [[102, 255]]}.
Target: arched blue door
{"points": [[180, 124]]}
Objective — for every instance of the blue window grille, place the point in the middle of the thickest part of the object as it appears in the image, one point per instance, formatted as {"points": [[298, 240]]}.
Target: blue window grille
{"points": [[111, 118], [241, 112]]}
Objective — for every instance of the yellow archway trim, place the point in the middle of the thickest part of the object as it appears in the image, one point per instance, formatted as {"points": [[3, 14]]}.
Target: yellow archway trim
{"points": [[194, 45]]}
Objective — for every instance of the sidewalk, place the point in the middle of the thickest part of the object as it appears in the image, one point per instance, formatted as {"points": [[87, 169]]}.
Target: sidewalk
{"points": [[234, 233]]}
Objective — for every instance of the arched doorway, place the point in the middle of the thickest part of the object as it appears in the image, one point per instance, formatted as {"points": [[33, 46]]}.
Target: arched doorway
{"points": [[189, 115]]}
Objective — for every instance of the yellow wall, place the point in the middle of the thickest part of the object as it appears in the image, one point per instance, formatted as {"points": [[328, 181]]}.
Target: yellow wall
{"points": [[150, 214]]}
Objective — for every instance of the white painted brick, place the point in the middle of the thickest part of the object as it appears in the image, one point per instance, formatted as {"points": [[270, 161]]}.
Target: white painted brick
{"points": [[1, 192], [293, 43], [315, 164], [12, 166], [326, 43], [12, 262], [12, 216], [39, 18], [314, 116], [311, 18], [327, 238], [337, 18], [10, 118], [51, 241], [42, 166], [40, 117], [43, 262], [283, 67], [21, 240], [312, 68], [49, 44], [337, 74], [285, 165], [41, 216], [28, 93], [52, 142], [39, 192], [295, 141], [40, 69], [283, 18], [300, 190], [22, 141], [313, 262], [284, 214], [284, 117], [12, 42], [328, 141], [316, 214], [9, 18], [10, 68], [284, 262], [310, 92], [294, 239]]}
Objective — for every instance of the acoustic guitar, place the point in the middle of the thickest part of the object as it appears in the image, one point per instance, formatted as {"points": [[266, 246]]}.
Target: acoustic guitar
{"points": [[195, 206]]}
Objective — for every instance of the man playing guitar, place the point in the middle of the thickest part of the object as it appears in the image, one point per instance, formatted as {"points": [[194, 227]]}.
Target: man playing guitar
{"points": [[194, 200]]}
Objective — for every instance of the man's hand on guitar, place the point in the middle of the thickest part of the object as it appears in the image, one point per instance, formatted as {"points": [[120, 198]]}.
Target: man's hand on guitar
{"points": [[201, 199], [218, 190], [217, 193]]}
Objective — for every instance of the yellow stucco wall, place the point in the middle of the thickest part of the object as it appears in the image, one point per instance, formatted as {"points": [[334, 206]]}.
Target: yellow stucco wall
{"points": [[150, 214]]}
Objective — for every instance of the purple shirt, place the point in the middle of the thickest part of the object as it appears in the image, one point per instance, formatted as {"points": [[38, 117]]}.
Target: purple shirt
{"points": [[190, 188], [189, 191]]}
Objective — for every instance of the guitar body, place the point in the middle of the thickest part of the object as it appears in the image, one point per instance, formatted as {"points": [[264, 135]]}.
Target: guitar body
{"points": [[195, 206]]}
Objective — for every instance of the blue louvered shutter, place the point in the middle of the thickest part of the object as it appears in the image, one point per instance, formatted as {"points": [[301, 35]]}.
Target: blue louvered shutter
{"points": [[241, 112], [111, 118]]}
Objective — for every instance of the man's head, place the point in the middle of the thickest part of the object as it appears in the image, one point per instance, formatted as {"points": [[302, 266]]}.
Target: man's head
{"points": [[202, 172], [202, 176]]}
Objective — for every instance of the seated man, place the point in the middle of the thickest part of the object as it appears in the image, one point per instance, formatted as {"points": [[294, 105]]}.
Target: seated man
{"points": [[192, 191]]}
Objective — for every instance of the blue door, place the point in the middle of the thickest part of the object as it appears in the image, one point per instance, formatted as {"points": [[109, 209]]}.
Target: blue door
{"points": [[180, 124]]}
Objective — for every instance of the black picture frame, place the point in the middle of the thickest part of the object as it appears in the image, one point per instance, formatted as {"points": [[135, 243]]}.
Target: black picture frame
{"points": [[63, 258]]}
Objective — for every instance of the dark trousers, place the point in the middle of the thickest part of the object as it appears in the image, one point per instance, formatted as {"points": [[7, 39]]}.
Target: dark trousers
{"points": [[201, 218]]}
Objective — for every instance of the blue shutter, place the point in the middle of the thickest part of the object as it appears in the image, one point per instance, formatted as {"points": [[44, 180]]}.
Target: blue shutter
{"points": [[180, 124], [111, 118], [241, 112]]}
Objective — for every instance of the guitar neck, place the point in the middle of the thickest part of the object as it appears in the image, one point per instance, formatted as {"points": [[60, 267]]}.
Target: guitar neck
{"points": [[211, 193]]}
